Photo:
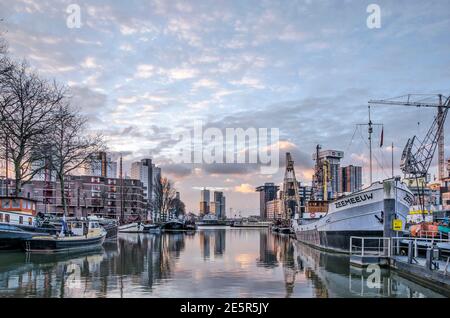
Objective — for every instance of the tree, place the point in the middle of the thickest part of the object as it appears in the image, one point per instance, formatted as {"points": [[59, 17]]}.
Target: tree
{"points": [[179, 207], [28, 105], [165, 194], [5, 62], [69, 147]]}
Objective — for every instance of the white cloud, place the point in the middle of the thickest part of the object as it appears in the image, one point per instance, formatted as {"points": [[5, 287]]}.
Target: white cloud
{"points": [[126, 48], [127, 100], [250, 82], [244, 188], [90, 63], [182, 73], [205, 82], [145, 71]]}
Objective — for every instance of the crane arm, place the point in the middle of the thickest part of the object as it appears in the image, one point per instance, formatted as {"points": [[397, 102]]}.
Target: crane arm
{"points": [[416, 159], [415, 100]]}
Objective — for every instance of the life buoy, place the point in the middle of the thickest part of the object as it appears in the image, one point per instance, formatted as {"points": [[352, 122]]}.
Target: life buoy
{"points": [[312, 215]]}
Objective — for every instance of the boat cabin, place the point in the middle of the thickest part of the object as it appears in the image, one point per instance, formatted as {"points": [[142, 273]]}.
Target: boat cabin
{"points": [[83, 227], [17, 211], [316, 209], [317, 206]]}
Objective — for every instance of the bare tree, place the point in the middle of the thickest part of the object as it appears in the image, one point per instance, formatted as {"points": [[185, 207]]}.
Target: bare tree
{"points": [[4, 60], [165, 195], [27, 107], [179, 207], [69, 147]]}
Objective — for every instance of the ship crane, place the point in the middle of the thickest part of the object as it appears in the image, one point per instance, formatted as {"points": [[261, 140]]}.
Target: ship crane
{"points": [[291, 197], [417, 156]]}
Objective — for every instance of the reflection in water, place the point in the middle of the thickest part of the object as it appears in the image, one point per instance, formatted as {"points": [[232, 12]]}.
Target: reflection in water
{"points": [[209, 238], [213, 262]]}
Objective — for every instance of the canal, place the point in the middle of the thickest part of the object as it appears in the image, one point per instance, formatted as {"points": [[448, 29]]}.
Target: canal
{"points": [[212, 262]]}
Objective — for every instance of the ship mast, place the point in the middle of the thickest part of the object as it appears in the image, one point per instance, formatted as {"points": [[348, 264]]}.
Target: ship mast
{"points": [[370, 144], [370, 131]]}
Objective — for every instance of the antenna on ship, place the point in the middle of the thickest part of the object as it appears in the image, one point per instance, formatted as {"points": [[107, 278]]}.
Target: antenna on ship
{"points": [[370, 145], [370, 131], [122, 216]]}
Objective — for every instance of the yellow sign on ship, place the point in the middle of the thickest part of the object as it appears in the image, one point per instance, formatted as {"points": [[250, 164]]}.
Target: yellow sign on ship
{"points": [[397, 225]]}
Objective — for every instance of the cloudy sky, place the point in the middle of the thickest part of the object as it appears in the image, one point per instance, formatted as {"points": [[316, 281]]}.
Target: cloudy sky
{"points": [[144, 69]]}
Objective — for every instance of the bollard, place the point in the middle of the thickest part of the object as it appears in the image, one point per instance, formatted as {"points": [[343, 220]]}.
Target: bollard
{"points": [[410, 252], [429, 260]]}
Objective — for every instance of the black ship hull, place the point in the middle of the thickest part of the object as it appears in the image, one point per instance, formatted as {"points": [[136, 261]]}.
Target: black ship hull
{"points": [[12, 237], [177, 226], [52, 245], [336, 241]]}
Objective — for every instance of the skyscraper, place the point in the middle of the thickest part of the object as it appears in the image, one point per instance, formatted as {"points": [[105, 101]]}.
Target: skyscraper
{"points": [[101, 165], [147, 173], [204, 202], [219, 205], [267, 192], [351, 179], [327, 167]]}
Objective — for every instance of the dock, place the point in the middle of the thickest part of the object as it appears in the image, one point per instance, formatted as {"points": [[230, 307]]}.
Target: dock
{"points": [[423, 260]]}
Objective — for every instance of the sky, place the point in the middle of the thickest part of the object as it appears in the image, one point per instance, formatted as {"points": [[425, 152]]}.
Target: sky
{"points": [[144, 70]]}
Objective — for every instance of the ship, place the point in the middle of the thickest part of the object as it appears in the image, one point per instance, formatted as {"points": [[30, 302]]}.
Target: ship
{"points": [[210, 220], [331, 223], [76, 235], [251, 223], [358, 214], [19, 221]]}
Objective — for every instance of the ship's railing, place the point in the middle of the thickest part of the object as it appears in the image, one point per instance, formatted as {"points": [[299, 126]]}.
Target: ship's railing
{"points": [[420, 245], [370, 246]]}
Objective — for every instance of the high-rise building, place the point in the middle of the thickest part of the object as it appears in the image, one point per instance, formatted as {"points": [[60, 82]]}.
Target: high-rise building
{"points": [[267, 192], [147, 173], [223, 208], [204, 195], [305, 193], [204, 208], [101, 165], [274, 209], [204, 202], [89, 195], [351, 179], [218, 205], [327, 173]]}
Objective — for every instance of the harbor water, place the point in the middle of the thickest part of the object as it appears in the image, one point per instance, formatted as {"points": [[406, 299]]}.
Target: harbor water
{"points": [[211, 262]]}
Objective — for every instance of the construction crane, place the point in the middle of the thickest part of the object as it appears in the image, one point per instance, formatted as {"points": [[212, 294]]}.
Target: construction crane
{"points": [[291, 197], [417, 156]]}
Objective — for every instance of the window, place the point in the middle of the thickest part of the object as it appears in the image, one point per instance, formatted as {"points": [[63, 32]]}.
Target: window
{"points": [[30, 221], [15, 204], [20, 219], [6, 203], [1, 217], [7, 218]]}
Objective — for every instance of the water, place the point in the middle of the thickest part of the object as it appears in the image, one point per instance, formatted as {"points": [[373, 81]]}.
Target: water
{"points": [[215, 262]]}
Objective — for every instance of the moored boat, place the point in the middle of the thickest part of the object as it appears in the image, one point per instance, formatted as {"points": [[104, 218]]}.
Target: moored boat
{"points": [[358, 214], [75, 235], [139, 227], [178, 225], [110, 225], [18, 221], [250, 223]]}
